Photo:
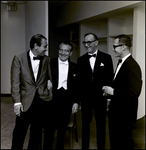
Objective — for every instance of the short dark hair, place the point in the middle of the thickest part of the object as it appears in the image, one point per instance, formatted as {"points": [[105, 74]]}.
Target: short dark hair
{"points": [[95, 36], [36, 39], [125, 39], [66, 43]]}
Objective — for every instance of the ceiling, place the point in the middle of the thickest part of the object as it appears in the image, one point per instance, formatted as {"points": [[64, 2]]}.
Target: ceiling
{"points": [[57, 3], [17, 2], [52, 3]]}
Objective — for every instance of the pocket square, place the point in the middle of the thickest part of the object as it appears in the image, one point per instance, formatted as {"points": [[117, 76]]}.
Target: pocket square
{"points": [[101, 64], [74, 75]]}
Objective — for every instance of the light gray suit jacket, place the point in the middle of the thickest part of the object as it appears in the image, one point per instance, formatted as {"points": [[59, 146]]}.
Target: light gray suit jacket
{"points": [[23, 84]]}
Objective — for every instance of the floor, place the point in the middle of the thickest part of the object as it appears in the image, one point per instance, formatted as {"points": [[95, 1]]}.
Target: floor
{"points": [[8, 122]]}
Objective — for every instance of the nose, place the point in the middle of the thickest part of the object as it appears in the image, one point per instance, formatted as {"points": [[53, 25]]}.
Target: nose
{"points": [[86, 45]]}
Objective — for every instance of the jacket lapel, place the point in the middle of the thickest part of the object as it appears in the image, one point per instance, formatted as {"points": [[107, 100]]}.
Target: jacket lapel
{"points": [[97, 61], [122, 67], [87, 63], [40, 68], [30, 67]]}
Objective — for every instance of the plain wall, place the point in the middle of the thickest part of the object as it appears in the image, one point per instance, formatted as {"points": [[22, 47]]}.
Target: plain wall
{"points": [[17, 27], [12, 41], [36, 19], [139, 51]]}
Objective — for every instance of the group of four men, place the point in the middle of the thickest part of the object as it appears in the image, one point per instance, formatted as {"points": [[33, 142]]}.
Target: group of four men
{"points": [[46, 91]]}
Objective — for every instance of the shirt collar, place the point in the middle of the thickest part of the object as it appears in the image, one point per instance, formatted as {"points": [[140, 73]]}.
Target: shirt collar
{"points": [[124, 58], [93, 53], [62, 62], [31, 54]]}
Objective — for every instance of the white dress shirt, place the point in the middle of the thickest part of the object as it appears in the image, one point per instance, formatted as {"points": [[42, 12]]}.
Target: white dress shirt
{"points": [[92, 60], [34, 64], [63, 74], [119, 66]]}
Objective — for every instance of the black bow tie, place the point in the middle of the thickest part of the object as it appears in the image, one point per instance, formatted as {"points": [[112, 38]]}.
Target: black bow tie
{"points": [[119, 61], [94, 55], [36, 58]]}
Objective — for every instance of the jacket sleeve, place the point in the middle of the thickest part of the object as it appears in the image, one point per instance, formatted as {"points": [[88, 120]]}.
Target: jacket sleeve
{"points": [[15, 80], [134, 85]]}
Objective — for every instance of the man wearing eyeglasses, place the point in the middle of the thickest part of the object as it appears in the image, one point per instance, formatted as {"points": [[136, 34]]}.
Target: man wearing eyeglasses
{"points": [[124, 93], [94, 70], [63, 73]]}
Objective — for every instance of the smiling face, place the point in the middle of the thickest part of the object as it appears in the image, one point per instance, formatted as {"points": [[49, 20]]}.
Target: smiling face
{"points": [[64, 52], [119, 48], [91, 48], [41, 50]]}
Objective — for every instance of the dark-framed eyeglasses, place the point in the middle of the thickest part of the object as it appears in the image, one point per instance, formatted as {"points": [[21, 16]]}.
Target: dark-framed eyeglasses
{"points": [[115, 46], [64, 50], [88, 42]]}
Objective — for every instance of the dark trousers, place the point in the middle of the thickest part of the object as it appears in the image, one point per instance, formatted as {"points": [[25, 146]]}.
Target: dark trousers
{"points": [[120, 132], [61, 111], [34, 117], [100, 118]]}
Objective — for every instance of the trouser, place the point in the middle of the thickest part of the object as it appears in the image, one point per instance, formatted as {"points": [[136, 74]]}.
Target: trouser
{"points": [[61, 111], [100, 118], [34, 117], [120, 133]]}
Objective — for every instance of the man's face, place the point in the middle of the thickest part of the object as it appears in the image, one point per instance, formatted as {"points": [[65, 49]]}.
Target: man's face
{"points": [[118, 48], [64, 52], [41, 50], [91, 48]]}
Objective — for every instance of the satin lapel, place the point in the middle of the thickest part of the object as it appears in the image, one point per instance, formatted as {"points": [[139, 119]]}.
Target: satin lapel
{"points": [[56, 68], [88, 63], [97, 61], [40, 68], [30, 67], [123, 65], [69, 73]]}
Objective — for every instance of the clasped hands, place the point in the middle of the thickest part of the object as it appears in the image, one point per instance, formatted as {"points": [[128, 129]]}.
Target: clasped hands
{"points": [[107, 90]]}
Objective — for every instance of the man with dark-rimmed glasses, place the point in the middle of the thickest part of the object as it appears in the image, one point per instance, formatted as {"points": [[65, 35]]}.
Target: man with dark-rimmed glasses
{"points": [[94, 69], [124, 93]]}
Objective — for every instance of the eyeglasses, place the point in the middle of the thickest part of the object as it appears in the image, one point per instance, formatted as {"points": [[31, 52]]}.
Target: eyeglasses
{"points": [[88, 42], [115, 46], [64, 50]]}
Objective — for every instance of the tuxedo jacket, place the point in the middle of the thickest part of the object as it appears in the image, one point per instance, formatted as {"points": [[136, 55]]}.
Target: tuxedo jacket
{"points": [[23, 84], [127, 87], [70, 80], [90, 82]]}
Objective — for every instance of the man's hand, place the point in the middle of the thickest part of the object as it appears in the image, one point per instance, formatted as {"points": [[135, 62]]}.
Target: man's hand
{"points": [[49, 85], [107, 90], [75, 108], [18, 108]]}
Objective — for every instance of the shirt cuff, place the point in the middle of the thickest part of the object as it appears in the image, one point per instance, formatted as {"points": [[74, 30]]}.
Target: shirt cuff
{"points": [[15, 104]]}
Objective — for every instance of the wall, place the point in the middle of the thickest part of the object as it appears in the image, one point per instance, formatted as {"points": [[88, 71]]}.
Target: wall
{"points": [[75, 11], [17, 27], [36, 19], [12, 41], [139, 51]]}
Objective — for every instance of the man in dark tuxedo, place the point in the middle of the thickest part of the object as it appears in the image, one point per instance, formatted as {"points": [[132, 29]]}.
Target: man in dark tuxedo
{"points": [[94, 70], [30, 72], [63, 73], [124, 93]]}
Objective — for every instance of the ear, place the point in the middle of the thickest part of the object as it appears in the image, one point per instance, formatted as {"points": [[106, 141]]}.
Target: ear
{"points": [[71, 53], [35, 46], [96, 43], [124, 47]]}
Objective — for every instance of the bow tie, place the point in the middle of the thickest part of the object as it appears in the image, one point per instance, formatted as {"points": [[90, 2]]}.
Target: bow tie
{"points": [[94, 55], [119, 61], [36, 58]]}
